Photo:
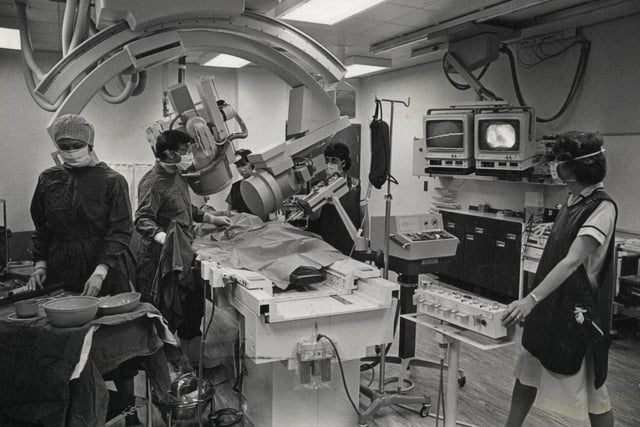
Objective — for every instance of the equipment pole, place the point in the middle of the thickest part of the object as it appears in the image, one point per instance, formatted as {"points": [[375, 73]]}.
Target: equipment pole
{"points": [[388, 197]]}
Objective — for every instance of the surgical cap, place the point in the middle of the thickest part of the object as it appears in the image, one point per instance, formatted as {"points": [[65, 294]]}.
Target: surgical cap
{"points": [[73, 126]]}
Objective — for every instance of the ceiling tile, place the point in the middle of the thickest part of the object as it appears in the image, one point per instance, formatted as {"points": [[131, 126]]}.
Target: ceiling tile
{"points": [[386, 30], [460, 7], [414, 3], [419, 18], [357, 25], [385, 12]]}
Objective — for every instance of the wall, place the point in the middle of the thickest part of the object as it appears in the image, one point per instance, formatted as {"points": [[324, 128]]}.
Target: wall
{"points": [[260, 97], [606, 103], [609, 102]]}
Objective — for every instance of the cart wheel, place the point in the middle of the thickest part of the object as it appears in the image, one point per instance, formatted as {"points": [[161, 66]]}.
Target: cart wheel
{"points": [[462, 381], [424, 412]]}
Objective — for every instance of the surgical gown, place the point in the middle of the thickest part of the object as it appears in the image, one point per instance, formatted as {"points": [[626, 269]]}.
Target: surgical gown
{"points": [[163, 198], [82, 218]]}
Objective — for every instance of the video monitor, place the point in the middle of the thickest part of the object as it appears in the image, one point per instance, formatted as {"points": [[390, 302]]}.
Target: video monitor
{"points": [[448, 132], [499, 135]]}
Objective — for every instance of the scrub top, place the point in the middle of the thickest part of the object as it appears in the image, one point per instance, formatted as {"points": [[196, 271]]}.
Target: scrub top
{"points": [[82, 218]]}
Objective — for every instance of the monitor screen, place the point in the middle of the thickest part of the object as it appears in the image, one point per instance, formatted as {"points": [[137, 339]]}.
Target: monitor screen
{"points": [[445, 134], [499, 135]]}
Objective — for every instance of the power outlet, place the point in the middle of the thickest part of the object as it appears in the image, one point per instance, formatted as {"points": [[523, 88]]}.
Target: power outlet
{"points": [[425, 185]]}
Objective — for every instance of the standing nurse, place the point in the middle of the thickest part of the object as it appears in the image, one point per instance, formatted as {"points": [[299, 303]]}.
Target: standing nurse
{"points": [[567, 316], [82, 216]]}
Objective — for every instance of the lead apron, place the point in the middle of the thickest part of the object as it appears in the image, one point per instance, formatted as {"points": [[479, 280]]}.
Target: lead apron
{"points": [[551, 332]]}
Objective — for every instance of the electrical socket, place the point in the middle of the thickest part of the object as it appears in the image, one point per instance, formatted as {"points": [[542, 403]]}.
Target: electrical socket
{"points": [[311, 351]]}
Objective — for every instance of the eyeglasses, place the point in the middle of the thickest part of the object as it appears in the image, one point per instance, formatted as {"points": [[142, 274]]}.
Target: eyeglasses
{"points": [[333, 160], [70, 144], [184, 149]]}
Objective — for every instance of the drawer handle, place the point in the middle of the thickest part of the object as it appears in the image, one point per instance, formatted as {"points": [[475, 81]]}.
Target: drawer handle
{"points": [[511, 236], [479, 230], [500, 244], [469, 236]]}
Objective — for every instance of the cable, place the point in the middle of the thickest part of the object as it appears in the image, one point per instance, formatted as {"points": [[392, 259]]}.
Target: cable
{"points": [[68, 21], [31, 86], [482, 91], [344, 381], [461, 86], [373, 377], [372, 365], [25, 41], [541, 55], [578, 78], [126, 93], [81, 27]]}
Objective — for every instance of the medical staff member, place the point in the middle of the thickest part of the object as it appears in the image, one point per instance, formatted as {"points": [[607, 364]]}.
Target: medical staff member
{"points": [[234, 198], [163, 198], [328, 224], [567, 315], [82, 216]]}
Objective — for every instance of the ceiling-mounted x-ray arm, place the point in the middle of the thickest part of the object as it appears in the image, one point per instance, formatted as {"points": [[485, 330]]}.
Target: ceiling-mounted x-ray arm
{"points": [[265, 31], [283, 167], [171, 45]]}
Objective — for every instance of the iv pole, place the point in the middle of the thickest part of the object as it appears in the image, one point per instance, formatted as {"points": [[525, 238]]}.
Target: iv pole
{"points": [[388, 197], [380, 398]]}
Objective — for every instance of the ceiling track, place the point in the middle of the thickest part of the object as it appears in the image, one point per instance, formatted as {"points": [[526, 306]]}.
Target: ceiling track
{"points": [[501, 9]]}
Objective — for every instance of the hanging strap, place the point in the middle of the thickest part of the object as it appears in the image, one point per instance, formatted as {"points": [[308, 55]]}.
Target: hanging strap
{"points": [[378, 110]]}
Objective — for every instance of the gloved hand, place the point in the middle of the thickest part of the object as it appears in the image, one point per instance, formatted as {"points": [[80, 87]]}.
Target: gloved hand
{"points": [[220, 221], [93, 285], [37, 278], [160, 237]]}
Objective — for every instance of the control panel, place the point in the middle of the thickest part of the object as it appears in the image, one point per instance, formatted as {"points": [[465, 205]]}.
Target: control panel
{"points": [[414, 237], [469, 311]]}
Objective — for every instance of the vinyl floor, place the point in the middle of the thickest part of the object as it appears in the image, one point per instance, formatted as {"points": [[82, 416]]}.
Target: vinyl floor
{"points": [[484, 399]]}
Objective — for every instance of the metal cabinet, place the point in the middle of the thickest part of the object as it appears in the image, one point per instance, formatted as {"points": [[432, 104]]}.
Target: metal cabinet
{"points": [[506, 263], [452, 267], [478, 255], [488, 256]]}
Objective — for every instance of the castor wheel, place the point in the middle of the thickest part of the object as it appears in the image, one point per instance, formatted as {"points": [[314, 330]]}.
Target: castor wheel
{"points": [[424, 412], [462, 381]]}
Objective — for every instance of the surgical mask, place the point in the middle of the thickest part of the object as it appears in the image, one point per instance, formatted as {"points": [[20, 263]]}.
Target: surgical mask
{"points": [[186, 160], [333, 169], [553, 166], [76, 158], [244, 171]]}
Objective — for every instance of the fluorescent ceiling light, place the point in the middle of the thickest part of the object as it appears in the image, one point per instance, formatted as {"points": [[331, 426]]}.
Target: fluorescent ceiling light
{"points": [[362, 65], [327, 11], [9, 38], [226, 61]]}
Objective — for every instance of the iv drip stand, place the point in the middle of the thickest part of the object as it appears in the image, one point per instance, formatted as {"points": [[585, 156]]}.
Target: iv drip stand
{"points": [[388, 197], [380, 398]]}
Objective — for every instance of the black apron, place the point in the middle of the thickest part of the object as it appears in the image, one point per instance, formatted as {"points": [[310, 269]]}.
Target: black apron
{"points": [[551, 332]]}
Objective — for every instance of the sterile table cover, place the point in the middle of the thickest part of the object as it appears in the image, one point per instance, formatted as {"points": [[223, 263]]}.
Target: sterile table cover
{"points": [[273, 249], [39, 360]]}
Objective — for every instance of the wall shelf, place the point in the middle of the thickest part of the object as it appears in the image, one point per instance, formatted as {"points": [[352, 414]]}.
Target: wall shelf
{"points": [[474, 177]]}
